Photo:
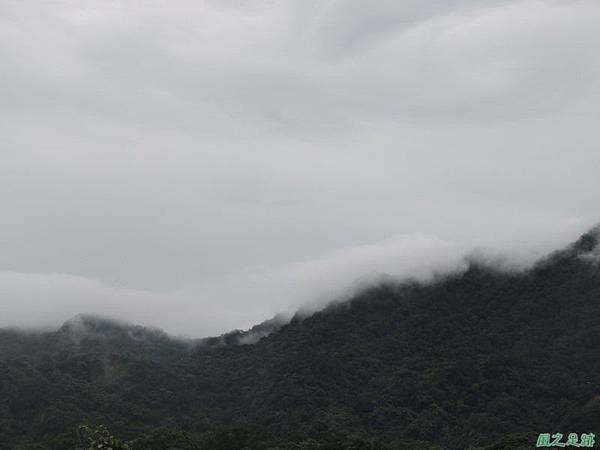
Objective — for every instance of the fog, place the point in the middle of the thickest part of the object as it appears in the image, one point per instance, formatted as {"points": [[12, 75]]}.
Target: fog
{"points": [[249, 297], [202, 166]]}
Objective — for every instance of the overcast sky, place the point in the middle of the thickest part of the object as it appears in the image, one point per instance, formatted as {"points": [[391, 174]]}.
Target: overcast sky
{"points": [[202, 165]]}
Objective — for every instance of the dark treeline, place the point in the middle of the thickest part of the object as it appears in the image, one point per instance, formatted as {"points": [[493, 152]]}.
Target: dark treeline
{"points": [[482, 359]]}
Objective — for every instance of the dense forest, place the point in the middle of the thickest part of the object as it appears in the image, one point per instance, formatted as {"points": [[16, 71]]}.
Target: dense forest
{"points": [[482, 359]]}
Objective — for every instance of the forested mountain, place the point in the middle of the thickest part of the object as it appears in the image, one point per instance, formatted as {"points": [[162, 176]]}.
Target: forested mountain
{"points": [[480, 359]]}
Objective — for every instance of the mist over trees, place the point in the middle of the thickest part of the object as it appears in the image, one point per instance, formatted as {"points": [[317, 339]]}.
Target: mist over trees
{"points": [[476, 359]]}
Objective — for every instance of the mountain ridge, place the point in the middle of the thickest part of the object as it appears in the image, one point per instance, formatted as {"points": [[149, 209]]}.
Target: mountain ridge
{"points": [[479, 359]]}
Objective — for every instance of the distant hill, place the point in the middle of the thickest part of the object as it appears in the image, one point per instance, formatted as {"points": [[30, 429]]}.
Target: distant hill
{"points": [[480, 359]]}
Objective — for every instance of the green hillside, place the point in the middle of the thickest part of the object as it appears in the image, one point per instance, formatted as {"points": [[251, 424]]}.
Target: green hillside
{"points": [[481, 359]]}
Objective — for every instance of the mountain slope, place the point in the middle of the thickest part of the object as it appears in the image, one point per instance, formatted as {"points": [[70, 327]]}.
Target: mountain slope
{"points": [[473, 359]]}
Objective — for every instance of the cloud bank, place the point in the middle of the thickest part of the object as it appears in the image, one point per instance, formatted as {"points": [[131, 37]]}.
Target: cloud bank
{"points": [[249, 297], [204, 156]]}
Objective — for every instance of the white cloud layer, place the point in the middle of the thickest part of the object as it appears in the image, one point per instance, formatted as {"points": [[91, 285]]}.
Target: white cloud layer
{"points": [[183, 154], [248, 297]]}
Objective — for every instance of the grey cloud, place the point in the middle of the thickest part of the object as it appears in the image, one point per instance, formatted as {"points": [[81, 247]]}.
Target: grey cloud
{"points": [[142, 65], [154, 148], [348, 27]]}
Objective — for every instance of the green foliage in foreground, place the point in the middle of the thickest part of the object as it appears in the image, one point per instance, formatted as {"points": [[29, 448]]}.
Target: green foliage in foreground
{"points": [[99, 437], [92, 438], [478, 360]]}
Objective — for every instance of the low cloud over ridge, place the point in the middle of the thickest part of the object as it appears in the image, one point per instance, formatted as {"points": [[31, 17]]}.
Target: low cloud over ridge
{"points": [[249, 297]]}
